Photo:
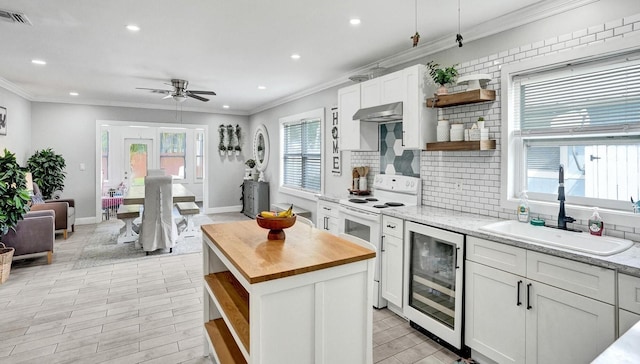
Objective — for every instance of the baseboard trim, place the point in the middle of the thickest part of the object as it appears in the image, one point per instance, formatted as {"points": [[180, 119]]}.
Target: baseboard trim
{"points": [[88, 220], [217, 210]]}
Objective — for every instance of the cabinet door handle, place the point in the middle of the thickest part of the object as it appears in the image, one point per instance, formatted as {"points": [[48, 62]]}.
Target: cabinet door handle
{"points": [[528, 296], [391, 226], [403, 138], [326, 223], [382, 243], [518, 303]]}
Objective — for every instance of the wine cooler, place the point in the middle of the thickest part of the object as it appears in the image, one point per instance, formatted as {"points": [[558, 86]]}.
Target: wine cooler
{"points": [[434, 278]]}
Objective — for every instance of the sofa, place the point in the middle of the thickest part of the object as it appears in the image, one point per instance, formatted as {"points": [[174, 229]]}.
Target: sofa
{"points": [[64, 210], [34, 234]]}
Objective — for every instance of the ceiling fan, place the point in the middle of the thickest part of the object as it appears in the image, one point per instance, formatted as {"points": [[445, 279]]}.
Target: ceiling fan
{"points": [[180, 92]]}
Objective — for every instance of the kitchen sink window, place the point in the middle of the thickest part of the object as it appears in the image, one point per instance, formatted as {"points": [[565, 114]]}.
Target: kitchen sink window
{"points": [[301, 159], [585, 115]]}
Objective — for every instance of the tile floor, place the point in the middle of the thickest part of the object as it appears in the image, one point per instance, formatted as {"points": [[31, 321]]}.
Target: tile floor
{"points": [[146, 311]]}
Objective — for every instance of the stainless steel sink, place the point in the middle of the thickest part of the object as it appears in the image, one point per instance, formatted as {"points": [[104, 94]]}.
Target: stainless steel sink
{"points": [[582, 242]]}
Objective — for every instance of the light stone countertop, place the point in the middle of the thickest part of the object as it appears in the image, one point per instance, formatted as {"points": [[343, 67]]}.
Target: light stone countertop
{"points": [[624, 350], [627, 261], [331, 198]]}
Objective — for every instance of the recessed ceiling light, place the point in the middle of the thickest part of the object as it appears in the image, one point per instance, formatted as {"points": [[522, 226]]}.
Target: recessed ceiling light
{"points": [[72, 93], [225, 106], [133, 27], [354, 21], [38, 61], [262, 87], [295, 56]]}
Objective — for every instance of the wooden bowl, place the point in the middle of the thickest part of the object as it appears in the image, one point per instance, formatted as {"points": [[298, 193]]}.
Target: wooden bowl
{"points": [[276, 225]]}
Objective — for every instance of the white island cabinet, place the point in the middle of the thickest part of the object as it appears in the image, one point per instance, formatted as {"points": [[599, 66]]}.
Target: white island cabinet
{"points": [[305, 299], [526, 307]]}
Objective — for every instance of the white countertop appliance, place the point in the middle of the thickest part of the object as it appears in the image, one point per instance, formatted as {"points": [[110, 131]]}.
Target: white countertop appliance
{"points": [[361, 216]]}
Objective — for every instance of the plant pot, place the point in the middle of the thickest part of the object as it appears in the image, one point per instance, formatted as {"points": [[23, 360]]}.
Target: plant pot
{"points": [[442, 90]]}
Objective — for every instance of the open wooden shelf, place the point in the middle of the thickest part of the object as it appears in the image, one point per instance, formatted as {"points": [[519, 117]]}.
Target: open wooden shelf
{"points": [[222, 341], [472, 145], [233, 300], [462, 98]]}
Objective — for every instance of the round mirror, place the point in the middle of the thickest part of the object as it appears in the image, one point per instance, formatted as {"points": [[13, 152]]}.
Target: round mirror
{"points": [[261, 148]]}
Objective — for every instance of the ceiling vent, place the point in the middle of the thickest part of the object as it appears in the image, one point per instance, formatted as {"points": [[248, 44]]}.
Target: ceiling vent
{"points": [[13, 17]]}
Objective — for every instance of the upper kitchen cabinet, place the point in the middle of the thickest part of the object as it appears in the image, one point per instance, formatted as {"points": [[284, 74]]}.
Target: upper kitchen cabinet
{"points": [[354, 134], [379, 98], [418, 123]]}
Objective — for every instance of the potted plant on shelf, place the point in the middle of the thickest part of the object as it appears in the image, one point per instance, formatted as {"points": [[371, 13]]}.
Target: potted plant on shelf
{"points": [[47, 169], [249, 172], [442, 76]]}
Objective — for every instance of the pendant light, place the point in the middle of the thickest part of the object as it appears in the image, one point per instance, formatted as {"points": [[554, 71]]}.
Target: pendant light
{"points": [[416, 37], [459, 35]]}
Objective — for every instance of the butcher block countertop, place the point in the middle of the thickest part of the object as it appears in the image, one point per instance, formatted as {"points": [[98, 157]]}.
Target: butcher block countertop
{"points": [[305, 249]]}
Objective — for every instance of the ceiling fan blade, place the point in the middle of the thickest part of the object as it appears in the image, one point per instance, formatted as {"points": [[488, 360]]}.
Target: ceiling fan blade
{"points": [[202, 92], [154, 90], [197, 97]]}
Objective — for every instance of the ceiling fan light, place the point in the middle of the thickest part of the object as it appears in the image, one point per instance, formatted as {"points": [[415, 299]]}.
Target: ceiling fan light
{"points": [[179, 98]]}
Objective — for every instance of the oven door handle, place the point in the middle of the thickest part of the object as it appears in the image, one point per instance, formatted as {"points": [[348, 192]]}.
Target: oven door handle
{"points": [[360, 214]]}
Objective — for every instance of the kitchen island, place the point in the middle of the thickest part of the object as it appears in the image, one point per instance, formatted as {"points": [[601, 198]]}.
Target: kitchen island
{"points": [[305, 299]]}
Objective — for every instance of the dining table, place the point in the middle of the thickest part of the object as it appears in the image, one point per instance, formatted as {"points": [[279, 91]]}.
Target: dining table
{"points": [[135, 195]]}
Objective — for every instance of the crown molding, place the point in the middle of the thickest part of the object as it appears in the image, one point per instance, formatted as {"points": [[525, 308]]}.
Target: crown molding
{"points": [[497, 25], [15, 89]]}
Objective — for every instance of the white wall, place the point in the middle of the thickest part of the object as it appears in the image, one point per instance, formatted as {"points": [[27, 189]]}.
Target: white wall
{"points": [[70, 130], [334, 185], [18, 138]]}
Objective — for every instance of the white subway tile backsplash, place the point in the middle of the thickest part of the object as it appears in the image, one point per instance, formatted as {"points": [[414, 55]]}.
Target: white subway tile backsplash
{"points": [[613, 24], [622, 29]]}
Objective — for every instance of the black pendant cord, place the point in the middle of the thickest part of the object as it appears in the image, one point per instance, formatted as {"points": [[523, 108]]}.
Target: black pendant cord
{"points": [[459, 35], [416, 37]]}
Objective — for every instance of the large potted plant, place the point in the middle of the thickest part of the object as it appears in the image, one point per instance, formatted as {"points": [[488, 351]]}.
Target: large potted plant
{"points": [[442, 76], [14, 196], [48, 172]]}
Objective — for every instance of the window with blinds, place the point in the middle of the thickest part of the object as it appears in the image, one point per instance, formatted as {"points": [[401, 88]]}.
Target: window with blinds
{"points": [[301, 159], [587, 117]]}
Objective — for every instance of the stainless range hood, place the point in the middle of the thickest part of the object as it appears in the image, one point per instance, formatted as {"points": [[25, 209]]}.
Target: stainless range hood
{"points": [[381, 113]]}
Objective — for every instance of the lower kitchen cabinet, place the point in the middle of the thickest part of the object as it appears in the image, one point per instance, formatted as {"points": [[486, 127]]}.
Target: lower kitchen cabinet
{"points": [[629, 301], [392, 254], [512, 318], [328, 217]]}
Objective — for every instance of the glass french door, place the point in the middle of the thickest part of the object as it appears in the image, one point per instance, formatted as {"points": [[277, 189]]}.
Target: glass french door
{"points": [[138, 159]]}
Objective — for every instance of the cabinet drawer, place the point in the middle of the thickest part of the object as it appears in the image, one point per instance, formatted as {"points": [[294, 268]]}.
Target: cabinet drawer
{"points": [[328, 208], [500, 256], [587, 280], [392, 226], [629, 293]]}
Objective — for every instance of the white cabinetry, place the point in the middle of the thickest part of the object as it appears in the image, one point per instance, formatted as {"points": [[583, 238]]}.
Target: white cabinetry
{"points": [[523, 306], [354, 135], [418, 122], [328, 217], [629, 301], [407, 86], [392, 260]]}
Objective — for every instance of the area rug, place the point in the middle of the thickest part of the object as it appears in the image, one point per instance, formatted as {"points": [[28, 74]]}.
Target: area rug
{"points": [[101, 247]]}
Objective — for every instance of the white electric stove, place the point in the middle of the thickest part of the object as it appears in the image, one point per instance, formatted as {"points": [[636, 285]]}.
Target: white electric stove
{"points": [[361, 216]]}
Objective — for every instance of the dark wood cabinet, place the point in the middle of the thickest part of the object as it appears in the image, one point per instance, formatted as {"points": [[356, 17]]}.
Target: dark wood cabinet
{"points": [[255, 197]]}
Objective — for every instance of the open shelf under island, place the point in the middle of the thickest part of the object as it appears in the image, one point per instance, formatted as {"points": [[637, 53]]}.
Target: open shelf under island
{"points": [[305, 299]]}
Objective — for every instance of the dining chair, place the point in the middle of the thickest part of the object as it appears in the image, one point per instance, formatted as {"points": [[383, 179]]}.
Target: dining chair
{"points": [[305, 221], [156, 172], [158, 230]]}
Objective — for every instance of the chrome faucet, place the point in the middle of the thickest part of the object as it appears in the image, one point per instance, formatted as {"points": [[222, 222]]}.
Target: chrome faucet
{"points": [[563, 219]]}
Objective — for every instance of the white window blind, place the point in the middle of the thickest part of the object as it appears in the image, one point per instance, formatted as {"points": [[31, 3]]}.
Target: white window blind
{"points": [[301, 158], [586, 99]]}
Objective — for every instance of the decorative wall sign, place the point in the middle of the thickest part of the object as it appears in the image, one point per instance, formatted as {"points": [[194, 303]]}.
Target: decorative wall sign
{"points": [[336, 163], [3, 120]]}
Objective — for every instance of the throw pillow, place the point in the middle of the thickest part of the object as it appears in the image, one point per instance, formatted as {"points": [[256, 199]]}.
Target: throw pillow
{"points": [[37, 199]]}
